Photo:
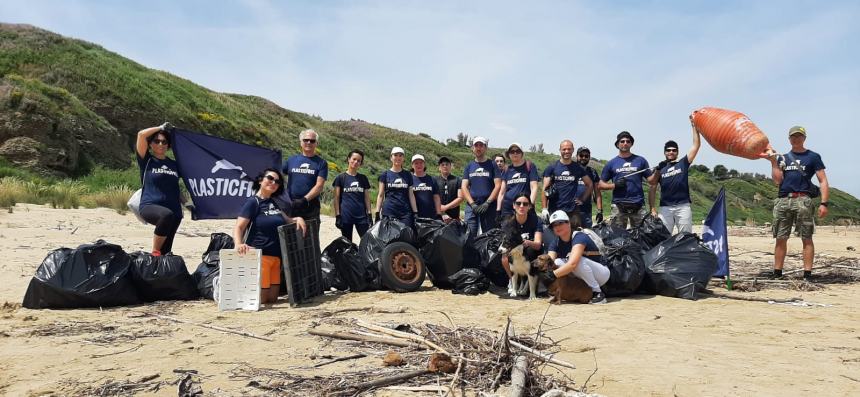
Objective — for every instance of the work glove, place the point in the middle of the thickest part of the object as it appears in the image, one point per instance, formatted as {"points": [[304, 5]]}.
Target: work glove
{"points": [[551, 192], [599, 217], [299, 203], [369, 219], [338, 222], [498, 219], [621, 183], [547, 277], [662, 164], [544, 214], [378, 216], [481, 209], [780, 161]]}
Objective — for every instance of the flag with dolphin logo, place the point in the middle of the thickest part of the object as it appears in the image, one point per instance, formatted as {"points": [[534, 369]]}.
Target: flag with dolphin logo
{"points": [[219, 172], [715, 233]]}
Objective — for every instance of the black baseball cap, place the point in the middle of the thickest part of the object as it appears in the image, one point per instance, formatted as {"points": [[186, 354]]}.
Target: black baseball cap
{"points": [[583, 149], [443, 159]]}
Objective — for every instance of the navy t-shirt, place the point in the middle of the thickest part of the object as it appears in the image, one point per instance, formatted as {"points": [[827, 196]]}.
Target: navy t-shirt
{"points": [[674, 183], [265, 217], [617, 167], [528, 229], [562, 248], [302, 173], [397, 185], [352, 205], [585, 208], [565, 178], [425, 188], [798, 172], [160, 180], [517, 181], [481, 179]]}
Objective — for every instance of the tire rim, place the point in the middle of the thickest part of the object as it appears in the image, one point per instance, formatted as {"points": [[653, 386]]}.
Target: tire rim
{"points": [[406, 267]]}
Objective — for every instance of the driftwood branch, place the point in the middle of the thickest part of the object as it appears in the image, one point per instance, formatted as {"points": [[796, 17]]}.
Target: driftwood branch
{"points": [[365, 338], [519, 376], [542, 356], [390, 380], [119, 352], [332, 361], [752, 298], [215, 327], [402, 335]]}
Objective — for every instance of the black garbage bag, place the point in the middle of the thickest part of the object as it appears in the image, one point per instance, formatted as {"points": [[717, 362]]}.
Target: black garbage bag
{"points": [[92, 275], [382, 233], [469, 282], [441, 246], [209, 268], [162, 278], [680, 267], [351, 271], [330, 275], [623, 257], [611, 235], [651, 232], [483, 253]]}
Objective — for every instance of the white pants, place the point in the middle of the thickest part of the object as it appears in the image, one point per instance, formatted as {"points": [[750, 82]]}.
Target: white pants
{"points": [[593, 273], [680, 215]]}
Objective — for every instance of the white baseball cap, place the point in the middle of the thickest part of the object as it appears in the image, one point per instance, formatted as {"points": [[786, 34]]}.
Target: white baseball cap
{"points": [[397, 149], [417, 157], [480, 139], [558, 216]]}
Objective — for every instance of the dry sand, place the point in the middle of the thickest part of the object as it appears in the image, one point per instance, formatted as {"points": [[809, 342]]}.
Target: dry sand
{"points": [[642, 345]]}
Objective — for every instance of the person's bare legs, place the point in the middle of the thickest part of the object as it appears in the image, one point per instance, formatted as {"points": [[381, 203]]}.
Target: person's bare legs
{"points": [[808, 253], [779, 251], [158, 242]]}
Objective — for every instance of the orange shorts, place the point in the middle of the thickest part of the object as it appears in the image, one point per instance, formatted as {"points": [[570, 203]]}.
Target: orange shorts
{"points": [[270, 271]]}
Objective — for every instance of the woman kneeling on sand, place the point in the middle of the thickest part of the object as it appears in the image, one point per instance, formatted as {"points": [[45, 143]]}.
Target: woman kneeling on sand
{"points": [[257, 227], [576, 253]]}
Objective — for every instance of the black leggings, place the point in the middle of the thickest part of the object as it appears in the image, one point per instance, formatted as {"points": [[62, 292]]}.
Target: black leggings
{"points": [[361, 228], [166, 223]]}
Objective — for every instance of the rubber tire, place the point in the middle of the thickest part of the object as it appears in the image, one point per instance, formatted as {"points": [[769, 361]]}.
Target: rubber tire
{"points": [[386, 270]]}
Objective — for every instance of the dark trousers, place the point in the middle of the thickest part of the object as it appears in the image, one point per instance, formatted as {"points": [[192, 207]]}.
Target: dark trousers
{"points": [[487, 220], [165, 221], [361, 228]]}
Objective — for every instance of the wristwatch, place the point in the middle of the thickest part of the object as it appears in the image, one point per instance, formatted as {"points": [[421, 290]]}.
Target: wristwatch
{"points": [[824, 203]]}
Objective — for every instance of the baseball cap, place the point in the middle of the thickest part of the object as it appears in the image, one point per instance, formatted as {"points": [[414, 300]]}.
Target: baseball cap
{"points": [[443, 159], [397, 149], [417, 157], [558, 216], [583, 149], [670, 144], [480, 139], [624, 134], [797, 130]]}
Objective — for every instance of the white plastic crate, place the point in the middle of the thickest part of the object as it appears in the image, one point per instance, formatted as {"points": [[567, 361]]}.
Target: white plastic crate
{"points": [[239, 283]]}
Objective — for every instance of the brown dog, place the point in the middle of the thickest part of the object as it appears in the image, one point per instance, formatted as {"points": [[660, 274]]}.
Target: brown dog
{"points": [[563, 289]]}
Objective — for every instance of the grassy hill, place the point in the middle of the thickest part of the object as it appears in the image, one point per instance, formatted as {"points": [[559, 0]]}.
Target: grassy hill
{"points": [[81, 105]]}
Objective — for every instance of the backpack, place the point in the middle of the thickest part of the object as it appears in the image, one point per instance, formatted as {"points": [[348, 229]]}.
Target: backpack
{"points": [[594, 237]]}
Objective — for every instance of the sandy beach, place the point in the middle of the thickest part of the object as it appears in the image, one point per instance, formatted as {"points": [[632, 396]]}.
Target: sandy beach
{"points": [[642, 345]]}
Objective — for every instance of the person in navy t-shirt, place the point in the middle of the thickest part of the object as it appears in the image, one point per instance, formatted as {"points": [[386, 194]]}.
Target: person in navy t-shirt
{"points": [[627, 195], [257, 227], [673, 177], [160, 201], [574, 252], [795, 204], [520, 177], [352, 198], [306, 174], [427, 199], [561, 183], [583, 157], [481, 183], [396, 198]]}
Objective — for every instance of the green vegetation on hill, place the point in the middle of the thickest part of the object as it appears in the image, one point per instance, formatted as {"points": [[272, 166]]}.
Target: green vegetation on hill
{"points": [[82, 105]]}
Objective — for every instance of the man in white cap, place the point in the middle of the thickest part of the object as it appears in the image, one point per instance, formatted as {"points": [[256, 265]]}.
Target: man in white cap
{"points": [[575, 252], [481, 183], [426, 192]]}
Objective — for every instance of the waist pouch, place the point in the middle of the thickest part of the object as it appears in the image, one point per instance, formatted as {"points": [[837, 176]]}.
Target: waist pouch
{"points": [[628, 208]]}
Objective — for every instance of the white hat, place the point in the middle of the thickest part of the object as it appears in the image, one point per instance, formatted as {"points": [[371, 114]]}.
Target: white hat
{"points": [[397, 149], [480, 139], [558, 216], [417, 157]]}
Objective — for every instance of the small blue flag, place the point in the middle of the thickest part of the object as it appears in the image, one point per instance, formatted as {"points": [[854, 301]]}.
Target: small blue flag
{"points": [[715, 235], [218, 172]]}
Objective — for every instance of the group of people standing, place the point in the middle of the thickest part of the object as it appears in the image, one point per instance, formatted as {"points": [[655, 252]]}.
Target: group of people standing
{"points": [[498, 191]]}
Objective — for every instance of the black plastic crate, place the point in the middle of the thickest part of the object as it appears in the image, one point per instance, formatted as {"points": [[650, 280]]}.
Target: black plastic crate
{"points": [[301, 262]]}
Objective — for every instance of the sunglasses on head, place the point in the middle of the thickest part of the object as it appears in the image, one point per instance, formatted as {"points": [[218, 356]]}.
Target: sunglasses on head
{"points": [[273, 179], [160, 141], [522, 203], [309, 140]]}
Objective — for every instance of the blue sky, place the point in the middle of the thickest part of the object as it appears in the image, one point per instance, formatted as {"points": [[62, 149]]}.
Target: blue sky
{"points": [[531, 72]]}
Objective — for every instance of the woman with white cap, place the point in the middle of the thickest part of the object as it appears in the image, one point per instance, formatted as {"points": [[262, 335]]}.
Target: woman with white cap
{"points": [[576, 253], [521, 177], [427, 199], [396, 198]]}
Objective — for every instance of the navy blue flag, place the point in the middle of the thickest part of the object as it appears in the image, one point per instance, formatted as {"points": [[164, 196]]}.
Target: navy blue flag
{"points": [[219, 172], [715, 235]]}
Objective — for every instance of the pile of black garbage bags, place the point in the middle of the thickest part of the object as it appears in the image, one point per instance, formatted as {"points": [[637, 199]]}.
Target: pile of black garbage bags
{"points": [[102, 274]]}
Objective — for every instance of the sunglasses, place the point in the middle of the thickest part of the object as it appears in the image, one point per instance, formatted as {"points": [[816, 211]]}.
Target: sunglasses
{"points": [[584, 155], [522, 203], [160, 141], [515, 152], [309, 140], [671, 150], [273, 179]]}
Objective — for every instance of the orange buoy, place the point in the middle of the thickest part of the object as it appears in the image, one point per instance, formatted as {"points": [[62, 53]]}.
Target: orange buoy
{"points": [[732, 133]]}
